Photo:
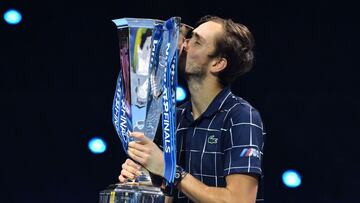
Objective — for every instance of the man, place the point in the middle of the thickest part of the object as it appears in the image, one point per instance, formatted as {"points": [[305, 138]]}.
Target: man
{"points": [[219, 135]]}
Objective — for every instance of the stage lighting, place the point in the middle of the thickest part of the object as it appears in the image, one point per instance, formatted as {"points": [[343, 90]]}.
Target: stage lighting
{"points": [[97, 145], [180, 94], [291, 178], [12, 16]]}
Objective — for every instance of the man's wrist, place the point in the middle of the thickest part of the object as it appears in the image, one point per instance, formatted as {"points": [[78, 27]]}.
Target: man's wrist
{"points": [[179, 175], [168, 189], [156, 180], [160, 171]]}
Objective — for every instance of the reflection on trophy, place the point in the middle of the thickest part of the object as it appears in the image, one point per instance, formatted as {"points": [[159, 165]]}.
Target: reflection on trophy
{"points": [[138, 98]]}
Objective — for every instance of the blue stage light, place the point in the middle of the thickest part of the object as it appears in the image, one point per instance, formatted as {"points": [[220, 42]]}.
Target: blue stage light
{"points": [[291, 178], [97, 145], [180, 94], [12, 16]]}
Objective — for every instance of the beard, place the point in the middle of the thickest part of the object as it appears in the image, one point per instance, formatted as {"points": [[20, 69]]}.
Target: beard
{"points": [[195, 73]]}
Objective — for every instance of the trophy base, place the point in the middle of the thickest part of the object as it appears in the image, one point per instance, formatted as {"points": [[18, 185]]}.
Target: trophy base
{"points": [[132, 192]]}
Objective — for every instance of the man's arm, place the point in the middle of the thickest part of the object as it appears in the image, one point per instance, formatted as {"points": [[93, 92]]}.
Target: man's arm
{"points": [[240, 188], [168, 199]]}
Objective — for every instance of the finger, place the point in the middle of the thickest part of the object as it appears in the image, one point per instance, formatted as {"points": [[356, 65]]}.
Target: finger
{"points": [[132, 164], [140, 137], [122, 179], [135, 157], [138, 153], [126, 174], [131, 169], [139, 146]]}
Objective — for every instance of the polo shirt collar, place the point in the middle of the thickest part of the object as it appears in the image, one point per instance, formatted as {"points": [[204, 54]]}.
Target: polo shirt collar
{"points": [[214, 106]]}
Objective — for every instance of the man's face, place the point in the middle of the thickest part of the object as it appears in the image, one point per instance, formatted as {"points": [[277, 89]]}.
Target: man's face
{"points": [[199, 47]]}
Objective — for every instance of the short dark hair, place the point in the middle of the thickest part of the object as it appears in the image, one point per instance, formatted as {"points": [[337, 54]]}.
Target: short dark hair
{"points": [[236, 45]]}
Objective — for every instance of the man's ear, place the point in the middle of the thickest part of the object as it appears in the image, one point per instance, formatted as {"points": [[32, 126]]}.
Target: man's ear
{"points": [[219, 64]]}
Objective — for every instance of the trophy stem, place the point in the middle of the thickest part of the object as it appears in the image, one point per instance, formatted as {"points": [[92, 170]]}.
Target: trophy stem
{"points": [[144, 177]]}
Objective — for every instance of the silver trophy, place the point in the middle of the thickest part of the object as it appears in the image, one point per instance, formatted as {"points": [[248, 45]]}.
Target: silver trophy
{"points": [[138, 100]]}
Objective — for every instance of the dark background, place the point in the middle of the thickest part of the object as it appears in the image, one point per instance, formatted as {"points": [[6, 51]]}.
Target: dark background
{"points": [[58, 70]]}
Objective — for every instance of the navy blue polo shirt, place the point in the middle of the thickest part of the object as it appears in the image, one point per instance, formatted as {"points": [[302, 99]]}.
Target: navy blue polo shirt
{"points": [[226, 139]]}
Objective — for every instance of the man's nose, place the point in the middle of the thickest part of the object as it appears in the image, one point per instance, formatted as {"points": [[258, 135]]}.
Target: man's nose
{"points": [[186, 44]]}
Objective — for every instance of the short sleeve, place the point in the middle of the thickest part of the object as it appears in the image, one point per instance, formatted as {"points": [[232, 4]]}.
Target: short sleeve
{"points": [[243, 143]]}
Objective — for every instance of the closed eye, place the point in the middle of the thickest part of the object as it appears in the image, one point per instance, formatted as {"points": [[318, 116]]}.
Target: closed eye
{"points": [[198, 39]]}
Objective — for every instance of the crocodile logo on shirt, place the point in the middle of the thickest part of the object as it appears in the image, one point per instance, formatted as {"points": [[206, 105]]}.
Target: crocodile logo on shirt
{"points": [[212, 139]]}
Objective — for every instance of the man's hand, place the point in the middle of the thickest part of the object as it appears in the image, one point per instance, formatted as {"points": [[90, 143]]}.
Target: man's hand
{"points": [[147, 153], [130, 170]]}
